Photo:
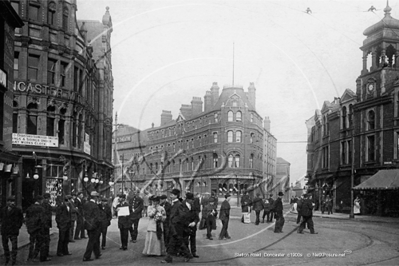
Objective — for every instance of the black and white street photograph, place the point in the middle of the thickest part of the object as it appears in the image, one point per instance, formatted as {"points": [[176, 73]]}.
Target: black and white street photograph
{"points": [[199, 132]]}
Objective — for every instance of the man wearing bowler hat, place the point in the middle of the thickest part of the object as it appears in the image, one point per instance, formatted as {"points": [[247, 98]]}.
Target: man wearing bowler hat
{"points": [[224, 216], [92, 224], [191, 221], [278, 210], [176, 227]]}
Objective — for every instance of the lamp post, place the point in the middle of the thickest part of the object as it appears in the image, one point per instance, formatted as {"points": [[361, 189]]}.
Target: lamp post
{"points": [[122, 158]]}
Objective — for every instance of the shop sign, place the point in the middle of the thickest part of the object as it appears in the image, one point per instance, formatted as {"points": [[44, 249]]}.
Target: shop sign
{"points": [[34, 140]]}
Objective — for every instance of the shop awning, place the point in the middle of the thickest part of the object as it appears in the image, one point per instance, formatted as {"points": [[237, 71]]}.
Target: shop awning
{"points": [[382, 180]]}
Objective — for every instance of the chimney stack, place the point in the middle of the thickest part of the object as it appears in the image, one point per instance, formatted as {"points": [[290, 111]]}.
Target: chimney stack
{"points": [[186, 110], [252, 94], [208, 101], [166, 117], [266, 124], [196, 105], [215, 93]]}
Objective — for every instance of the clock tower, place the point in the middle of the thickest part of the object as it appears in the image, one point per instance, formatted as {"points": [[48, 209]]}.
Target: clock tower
{"points": [[380, 58]]}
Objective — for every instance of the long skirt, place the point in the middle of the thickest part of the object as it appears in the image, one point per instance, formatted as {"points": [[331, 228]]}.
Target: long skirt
{"points": [[153, 245]]}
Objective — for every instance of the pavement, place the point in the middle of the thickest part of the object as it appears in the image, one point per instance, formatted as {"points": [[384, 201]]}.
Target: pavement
{"points": [[235, 213]]}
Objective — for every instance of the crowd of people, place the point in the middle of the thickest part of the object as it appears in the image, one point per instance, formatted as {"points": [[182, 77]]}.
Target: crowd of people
{"points": [[171, 228], [73, 215]]}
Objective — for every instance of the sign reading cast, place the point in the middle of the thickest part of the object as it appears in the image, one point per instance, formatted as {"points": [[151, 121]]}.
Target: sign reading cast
{"points": [[34, 140], [35, 88]]}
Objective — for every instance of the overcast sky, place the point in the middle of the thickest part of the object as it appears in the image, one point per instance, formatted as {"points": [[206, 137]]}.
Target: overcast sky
{"points": [[166, 52]]}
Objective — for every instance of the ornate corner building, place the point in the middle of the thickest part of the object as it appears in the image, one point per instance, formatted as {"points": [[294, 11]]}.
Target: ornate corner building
{"points": [[356, 135], [62, 103], [212, 146], [9, 21]]}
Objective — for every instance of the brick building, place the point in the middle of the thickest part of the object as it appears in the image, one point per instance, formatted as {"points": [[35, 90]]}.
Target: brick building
{"points": [[215, 145], [62, 118], [9, 20], [358, 133]]}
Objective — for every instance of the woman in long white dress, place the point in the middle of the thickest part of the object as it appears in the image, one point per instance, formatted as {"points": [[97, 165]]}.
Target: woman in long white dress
{"points": [[356, 206], [154, 242]]}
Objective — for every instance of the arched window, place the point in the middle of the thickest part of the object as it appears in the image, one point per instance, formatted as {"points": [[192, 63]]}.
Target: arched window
{"points": [[51, 14], [350, 116], [371, 120], [215, 137], [215, 160], [32, 118], [216, 118], [80, 131], [251, 138], [65, 15], [238, 116], [252, 117], [238, 136], [251, 161], [230, 160], [229, 136], [230, 116], [343, 117], [237, 161]]}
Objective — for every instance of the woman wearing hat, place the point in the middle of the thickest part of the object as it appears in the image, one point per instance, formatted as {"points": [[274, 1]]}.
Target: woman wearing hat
{"points": [[154, 242]]}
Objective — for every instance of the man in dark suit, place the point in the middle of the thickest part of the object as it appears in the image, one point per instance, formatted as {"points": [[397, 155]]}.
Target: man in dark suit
{"points": [[11, 219], [124, 221], [105, 218], [49, 217], [80, 231], [224, 216], [63, 219], [136, 204], [36, 224], [305, 209], [246, 203], [278, 210], [270, 213], [167, 206], [176, 227], [191, 221], [91, 214], [258, 206]]}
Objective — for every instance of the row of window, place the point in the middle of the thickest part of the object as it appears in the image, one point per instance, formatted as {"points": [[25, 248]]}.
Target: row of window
{"points": [[35, 10], [231, 117], [203, 141], [233, 161]]}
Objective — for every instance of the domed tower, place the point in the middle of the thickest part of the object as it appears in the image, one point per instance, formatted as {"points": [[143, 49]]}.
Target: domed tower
{"points": [[380, 57]]}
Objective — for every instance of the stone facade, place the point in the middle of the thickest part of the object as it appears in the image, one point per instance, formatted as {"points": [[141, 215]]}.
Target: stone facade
{"points": [[217, 149], [62, 120], [9, 21], [357, 135]]}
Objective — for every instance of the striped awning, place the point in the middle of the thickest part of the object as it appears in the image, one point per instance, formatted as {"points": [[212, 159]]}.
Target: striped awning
{"points": [[382, 180]]}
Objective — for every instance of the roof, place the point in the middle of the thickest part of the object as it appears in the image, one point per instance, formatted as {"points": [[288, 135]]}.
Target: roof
{"points": [[382, 180], [387, 22], [282, 161]]}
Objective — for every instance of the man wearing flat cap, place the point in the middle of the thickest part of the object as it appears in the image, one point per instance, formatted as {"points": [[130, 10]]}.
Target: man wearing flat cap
{"points": [[167, 206], [35, 220], [224, 216], [92, 224], [176, 227], [191, 221], [278, 212], [11, 219]]}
